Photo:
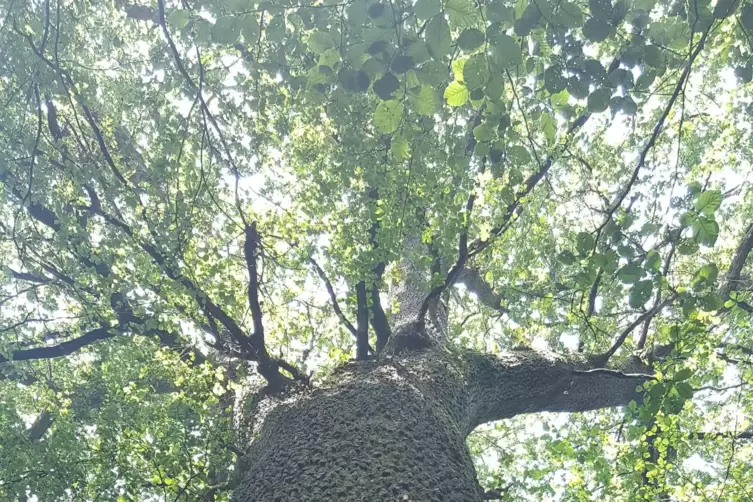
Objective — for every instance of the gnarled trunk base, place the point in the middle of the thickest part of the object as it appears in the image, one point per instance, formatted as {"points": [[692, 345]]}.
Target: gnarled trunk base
{"points": [[377, 435]]}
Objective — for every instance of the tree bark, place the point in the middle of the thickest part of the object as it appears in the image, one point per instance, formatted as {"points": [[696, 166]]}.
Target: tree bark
{"points": [[394, 429]]}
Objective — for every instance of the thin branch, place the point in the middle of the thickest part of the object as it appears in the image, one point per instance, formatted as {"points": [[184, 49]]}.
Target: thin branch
{"points": [[654, 136], [452, 275], [333, 297], [514, 207], [614, 373], [721, 435], [602, 360], [592, 294]]}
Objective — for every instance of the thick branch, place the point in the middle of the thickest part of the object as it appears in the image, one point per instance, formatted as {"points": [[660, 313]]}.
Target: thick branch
{"points": [[362, 322], [472, 280], [62, 349], [527, 381], [250, 250], [739, 257], [379, 321]]}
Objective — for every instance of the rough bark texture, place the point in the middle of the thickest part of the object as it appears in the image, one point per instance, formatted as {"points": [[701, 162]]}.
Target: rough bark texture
{"points": [[394, 429]]}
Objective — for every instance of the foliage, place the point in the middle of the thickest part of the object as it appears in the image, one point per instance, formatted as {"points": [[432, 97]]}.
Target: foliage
{"points": [[607, 146]]}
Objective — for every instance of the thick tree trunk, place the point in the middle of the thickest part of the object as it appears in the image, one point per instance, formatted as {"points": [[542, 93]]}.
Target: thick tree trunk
{"points": [[394, 429]]}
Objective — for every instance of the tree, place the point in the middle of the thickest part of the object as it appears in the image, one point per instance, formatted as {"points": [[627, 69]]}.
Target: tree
{"points": [[362, 250]]}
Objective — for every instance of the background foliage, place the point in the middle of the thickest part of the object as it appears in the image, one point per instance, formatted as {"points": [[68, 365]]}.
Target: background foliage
{"points": [[607, 145]]}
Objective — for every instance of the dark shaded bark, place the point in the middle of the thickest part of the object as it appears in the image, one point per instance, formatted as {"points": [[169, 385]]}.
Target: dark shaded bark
{"points": [[395, 428]]}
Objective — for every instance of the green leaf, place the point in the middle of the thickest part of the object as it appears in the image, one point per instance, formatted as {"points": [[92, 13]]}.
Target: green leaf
{"points": [[356, 81], [226, 30], [654, 56], [725, 8], [462, 13], [179, 18], [425, 102], [570, 15], [705, 231], [705, 277], [596, 30], [608, 261], [566, 258], [653, 260], [630, 273], [640, 293], [400, 148], [471, 39], [645, 79], [433, 73], [629, 107], [708, 202], [498, 12], [520, 155], [387, 116], [683, 375], [746, 17], [251, 30], [684, 390], [320, 42], [438, 37], [402, 64], [687, 218], [427, 9], [694, 188], [687, 247], [598, 101], [560, 99], [456, 94], [548, 127], [621, 78], [495, 89], [554, 80], [476, 72], [385, 86], [711, 302], [585, 242], [483, 133], [505, 51], [601, 9]]}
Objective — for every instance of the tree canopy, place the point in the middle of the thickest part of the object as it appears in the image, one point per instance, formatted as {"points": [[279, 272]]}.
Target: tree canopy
{"points": [[201, 197]]}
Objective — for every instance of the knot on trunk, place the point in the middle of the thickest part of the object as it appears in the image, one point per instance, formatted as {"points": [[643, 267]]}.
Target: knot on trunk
{"points": [[409, 337]]}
